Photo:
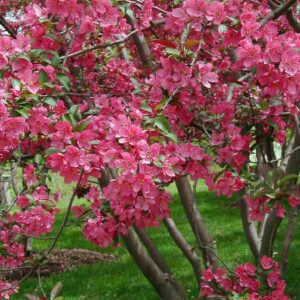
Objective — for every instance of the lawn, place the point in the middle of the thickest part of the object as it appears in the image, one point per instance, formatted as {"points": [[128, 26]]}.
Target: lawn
{"points": [[122, 280]]}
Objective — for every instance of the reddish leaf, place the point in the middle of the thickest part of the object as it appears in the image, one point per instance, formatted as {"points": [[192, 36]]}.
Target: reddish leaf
{"points": [[32, 296], [165, 43], [190, 43]]}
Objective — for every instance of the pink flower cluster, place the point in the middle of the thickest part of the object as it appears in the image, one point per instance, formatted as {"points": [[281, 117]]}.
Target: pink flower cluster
{"points": [[245, 281]]}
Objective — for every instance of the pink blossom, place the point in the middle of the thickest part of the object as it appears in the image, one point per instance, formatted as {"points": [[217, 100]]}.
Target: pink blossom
{"points": [[250, 54], [78, 211], [3, 61], [196, 8], [215, 12], [23, 201], [205, 75], [293, 201], [29, 175], [21, 43], [87, 26], [267, 262]]}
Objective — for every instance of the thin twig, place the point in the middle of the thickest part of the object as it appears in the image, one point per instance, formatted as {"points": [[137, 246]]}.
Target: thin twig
{"points": [[27, 235], [83, 51], [199, 46], [63, 224], [281, 158], [40, 282], [71, 43]]}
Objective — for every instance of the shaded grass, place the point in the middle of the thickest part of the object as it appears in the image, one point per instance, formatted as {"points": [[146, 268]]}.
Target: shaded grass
{"points": [[122, 280]]}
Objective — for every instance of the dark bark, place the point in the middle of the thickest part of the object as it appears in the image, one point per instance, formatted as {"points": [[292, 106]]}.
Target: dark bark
{"points": [[269, 234], [290, 165], [249, 229], [206, 243], [185, 248], [162, 282], [142, 46], [158, 259], [288, 239]]}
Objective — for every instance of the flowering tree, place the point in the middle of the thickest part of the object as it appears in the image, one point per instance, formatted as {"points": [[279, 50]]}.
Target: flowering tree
{"points": [[123, 98]]}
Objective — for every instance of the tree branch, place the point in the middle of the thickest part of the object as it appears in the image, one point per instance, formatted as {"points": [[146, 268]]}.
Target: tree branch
{"points": [[205, 241], [160, 281], [249, 229], [185, 248], [7, 27], [71, 43], [158, 258], [63, 224], [276, 13], [288, 239]]}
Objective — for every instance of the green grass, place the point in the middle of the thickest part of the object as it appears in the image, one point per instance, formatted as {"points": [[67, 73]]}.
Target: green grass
{"points": [[122, 280]]}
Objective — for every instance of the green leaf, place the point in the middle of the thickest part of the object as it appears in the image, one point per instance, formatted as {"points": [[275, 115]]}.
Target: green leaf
{"points": [[50, 151], [45, 58], [29, 196], [70, 119], [50, 101], [74, 110], [146, 108], [156, 139], [43, 77], [55, 53], [162, 123], [24, 56], [64, 80], [82, 126], [172, 136], [234, 20], [222, 28], [264, 104], [236, 85], [35, 53], [38, 158], [55, 61], [48, 85], [157, 163], [93, 111], [173, 52], [52, 36], [16, 83], [273, 124], [287, 178], [130, 13], [163, 103], [23, 112]]}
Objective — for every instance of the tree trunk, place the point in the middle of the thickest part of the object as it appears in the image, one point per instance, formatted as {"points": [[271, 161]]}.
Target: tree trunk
{"points": [[290, 165], [250, 230], [206, 243], [158, 259], [162, 282], [185, 248]]}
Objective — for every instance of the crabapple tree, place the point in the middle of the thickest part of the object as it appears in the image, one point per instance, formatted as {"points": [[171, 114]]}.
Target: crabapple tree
{"points": [[123, 98]]}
